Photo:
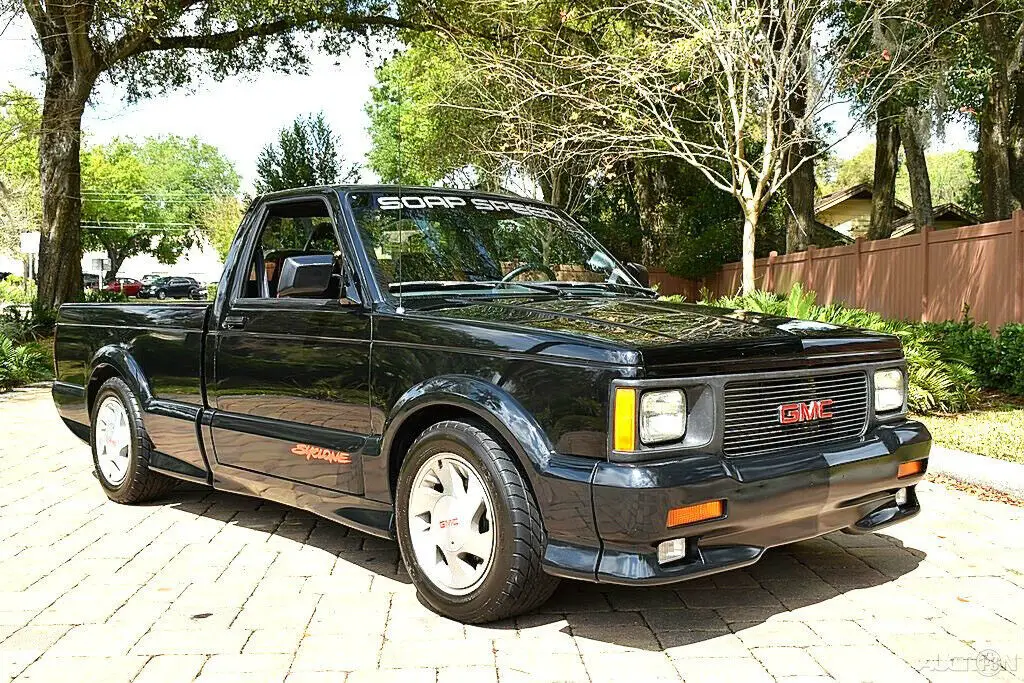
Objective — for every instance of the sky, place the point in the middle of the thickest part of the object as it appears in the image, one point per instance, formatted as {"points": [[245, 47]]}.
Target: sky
{"points": [[242, 114], [239, 115]]}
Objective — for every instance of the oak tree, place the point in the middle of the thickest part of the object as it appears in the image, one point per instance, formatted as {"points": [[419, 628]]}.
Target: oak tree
{"points": [[149, 46]]}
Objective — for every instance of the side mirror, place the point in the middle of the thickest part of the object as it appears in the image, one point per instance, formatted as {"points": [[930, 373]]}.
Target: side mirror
{"points": [[308, 276], [639, 273]]}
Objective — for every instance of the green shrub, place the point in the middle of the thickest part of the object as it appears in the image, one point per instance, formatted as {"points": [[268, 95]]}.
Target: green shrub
{"points": [[971, 342], [940, 379], [21, 364], [998, 361], [12, 290], [103, 296], [211, 291], [1008, 371], [30, 324]]}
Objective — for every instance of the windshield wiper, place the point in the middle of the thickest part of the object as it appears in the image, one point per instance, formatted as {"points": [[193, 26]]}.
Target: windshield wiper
{"points": [[608, 286], [442, 285], [536, 286]]}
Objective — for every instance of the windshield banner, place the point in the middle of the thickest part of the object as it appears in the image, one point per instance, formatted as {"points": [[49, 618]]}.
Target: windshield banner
{"points": [[414, 202]]}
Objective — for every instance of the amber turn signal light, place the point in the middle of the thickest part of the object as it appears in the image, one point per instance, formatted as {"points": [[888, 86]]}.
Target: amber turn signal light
{"points": [[700, 512], [624, 434], [909, 469]]}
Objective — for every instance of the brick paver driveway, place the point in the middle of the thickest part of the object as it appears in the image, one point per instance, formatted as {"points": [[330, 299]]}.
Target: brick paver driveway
{"points": [[221, 587]]}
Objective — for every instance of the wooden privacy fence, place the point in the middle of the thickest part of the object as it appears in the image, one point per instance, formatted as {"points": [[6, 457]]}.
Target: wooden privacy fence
{"points": [[928, 276]]}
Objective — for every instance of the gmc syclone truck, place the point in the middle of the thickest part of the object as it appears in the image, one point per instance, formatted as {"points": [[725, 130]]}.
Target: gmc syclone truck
{"points": [[476, 377]]}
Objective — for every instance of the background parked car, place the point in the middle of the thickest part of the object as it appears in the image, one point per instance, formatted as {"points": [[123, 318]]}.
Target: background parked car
{"points": [[124, 285], [173, 288], [151, 277], [90, 281]]}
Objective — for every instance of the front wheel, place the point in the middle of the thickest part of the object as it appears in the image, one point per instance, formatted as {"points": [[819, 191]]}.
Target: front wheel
{"points": [[121, 448], [469, 528], [161, 294]]}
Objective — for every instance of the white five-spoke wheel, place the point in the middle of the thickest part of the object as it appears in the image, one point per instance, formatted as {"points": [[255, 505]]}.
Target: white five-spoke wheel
{"points": [[468, 525], [451, 524], [121, 448], [113, 440]]}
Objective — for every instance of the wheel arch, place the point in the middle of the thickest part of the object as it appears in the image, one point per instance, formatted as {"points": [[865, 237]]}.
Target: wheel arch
{"points": [[116, 361], [459, 397]]}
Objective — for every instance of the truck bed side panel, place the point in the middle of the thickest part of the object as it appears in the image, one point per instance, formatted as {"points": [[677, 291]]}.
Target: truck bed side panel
{"points": [[157, 349]]}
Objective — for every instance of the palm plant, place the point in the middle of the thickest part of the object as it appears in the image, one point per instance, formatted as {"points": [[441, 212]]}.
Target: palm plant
{"points": [[20, 365]]}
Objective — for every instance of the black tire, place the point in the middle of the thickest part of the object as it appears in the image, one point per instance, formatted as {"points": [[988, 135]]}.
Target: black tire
{"points": [[140, 484], [515, 583], [161, 294]]}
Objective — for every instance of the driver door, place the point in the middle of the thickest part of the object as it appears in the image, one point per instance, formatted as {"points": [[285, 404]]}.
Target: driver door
{"points": [[290, 376]]}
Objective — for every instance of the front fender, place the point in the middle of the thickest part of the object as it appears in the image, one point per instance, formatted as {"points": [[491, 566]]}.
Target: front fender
{"points": [[485, 400], [561, 483]]}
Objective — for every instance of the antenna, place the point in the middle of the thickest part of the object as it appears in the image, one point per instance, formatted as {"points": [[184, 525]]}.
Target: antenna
{"points": [[401, 174]]}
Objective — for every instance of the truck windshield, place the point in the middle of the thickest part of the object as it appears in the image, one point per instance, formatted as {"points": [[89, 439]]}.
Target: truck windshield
{"points": [[422, 244]]}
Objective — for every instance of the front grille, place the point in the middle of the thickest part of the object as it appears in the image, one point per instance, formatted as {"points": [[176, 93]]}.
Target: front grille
{"points": [[752, 423]]}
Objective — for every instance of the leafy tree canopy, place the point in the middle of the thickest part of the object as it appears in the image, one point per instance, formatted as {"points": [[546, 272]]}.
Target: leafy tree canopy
{"points": [[221, 219], [420, 134], [954, 177], [149, 47], [152, 197], [305, 155], [20, 208]]}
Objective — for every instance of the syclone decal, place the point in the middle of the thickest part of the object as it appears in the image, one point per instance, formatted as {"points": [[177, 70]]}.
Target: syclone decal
{"points": [[325, 454]]}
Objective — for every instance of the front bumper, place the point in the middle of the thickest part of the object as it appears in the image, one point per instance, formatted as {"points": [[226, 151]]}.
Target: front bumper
{"points": [[771, 500]]}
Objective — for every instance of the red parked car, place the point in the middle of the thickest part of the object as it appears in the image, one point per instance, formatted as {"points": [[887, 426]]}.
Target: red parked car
{"points": [[124, 285]]}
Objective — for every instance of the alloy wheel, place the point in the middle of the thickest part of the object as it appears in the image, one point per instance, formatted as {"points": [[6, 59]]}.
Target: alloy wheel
{"points": [[451, 524], [113, 440]]}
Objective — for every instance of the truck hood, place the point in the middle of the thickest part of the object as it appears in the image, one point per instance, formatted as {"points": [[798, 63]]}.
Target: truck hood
{"points": [[670, 335]]}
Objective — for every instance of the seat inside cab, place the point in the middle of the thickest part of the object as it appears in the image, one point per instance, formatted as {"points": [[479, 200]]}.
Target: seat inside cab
{"points": [[299, 228]]}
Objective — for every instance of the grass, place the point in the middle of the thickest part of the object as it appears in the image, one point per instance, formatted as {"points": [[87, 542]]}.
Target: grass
{"points": [[994, 428]]}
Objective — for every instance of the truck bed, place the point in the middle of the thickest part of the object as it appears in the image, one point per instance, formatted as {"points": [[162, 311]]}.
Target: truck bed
{"points": [[165, 339]]}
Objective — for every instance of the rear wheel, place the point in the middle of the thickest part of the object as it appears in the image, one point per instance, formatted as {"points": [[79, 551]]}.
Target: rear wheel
{"points": [[121, 448], [469, 528]]}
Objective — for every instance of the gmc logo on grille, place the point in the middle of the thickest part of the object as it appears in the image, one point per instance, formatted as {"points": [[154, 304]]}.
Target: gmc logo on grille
{"points": [[791, 413]]}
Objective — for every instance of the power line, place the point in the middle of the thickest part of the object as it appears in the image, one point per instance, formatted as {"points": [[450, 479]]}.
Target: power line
{"points": [[142, 223], [139, 228], [112, 200], [157, 195]]}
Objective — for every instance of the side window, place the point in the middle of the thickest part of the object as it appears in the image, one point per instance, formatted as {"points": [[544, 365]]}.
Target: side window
{"points": [[301, 228]]}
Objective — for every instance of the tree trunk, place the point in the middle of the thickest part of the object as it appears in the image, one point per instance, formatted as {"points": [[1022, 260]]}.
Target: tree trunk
{"points": [[995, 136], [60, 242], [883, 195], [800, 160], [750, 217], [650, 189], [554, 187], [1015, 150], [917, 166], [800, 192], [116, 261], [993, 145]]}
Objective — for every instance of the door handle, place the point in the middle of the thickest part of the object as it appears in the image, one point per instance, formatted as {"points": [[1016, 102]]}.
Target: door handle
{"points": [[233, 322]]}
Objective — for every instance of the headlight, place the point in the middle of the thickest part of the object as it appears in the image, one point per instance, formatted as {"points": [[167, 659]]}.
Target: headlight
{"points": [[890, 390], [662, 416]]}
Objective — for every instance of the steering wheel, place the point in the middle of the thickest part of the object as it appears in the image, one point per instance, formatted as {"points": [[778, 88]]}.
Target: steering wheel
{"points": [[526, 268]]}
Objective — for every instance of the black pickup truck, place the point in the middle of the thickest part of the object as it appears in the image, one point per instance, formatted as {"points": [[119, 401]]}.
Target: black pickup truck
{"points": [[475, 376]]}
